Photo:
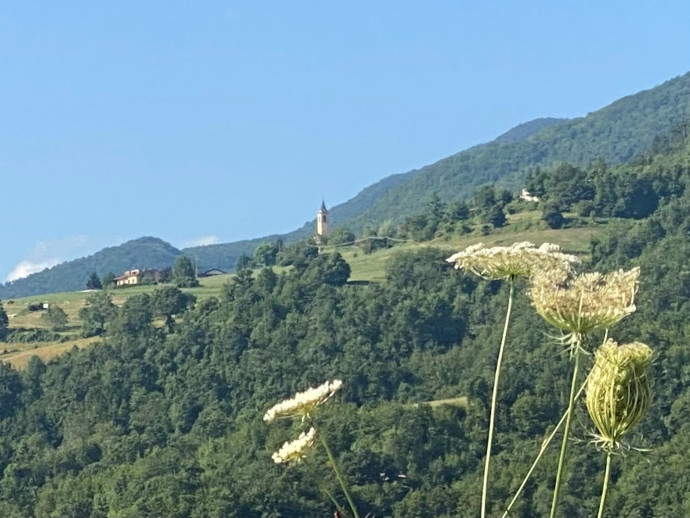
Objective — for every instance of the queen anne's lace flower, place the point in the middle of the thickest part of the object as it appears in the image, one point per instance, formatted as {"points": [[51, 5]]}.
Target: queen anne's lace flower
{"points": [[618, 389], [303, 403], [294, 450], [580, 304], [517, 260]]}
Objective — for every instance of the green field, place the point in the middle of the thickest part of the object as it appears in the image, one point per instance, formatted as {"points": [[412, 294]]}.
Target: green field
{"points": [[522, 227], [365, 267]]}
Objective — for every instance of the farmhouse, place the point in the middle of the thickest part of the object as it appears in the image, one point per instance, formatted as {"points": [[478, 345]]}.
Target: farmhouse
{"points": [[129, 278], [525, 195]]}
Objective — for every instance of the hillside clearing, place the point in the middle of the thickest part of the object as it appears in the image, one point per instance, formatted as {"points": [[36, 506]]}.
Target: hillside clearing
{"points": [[365, 268], [18, 355]]}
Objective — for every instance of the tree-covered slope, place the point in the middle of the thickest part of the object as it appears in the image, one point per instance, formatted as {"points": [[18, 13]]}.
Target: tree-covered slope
{"points": [[168, 422], [222, 256], [526, 130], [616, 133], [143, 253], [225, 255]]}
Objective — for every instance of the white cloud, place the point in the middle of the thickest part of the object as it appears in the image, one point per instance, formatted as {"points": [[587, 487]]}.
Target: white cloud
{"points": [[26, 268], [46, 254], [201, 241]]}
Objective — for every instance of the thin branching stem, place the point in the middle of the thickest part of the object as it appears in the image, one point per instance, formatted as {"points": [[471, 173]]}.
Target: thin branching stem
{"points": [[338, 475], [564, 445], [494, 397], [544, 445], [607, 475]]}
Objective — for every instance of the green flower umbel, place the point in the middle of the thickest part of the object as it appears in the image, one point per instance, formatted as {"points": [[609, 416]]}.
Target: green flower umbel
{"points": [[618, 390]]}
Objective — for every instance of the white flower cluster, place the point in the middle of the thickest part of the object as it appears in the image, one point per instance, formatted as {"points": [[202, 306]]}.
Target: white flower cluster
{"points": [[294, 450], [583, 303], [517, 260], [303, 403]]}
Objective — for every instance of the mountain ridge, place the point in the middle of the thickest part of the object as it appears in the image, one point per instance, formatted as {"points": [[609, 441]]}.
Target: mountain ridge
{"points": [[144, 252], [617, 133]]}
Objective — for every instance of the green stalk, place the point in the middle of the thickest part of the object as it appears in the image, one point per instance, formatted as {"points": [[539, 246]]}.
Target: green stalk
{"points": [[494, 397], [335, 502], [338, 475], [566, 433], [544, 445], [607, 475]]}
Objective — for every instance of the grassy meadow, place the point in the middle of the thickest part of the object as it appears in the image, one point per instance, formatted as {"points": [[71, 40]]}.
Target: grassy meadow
{"points": [[365, 268]]}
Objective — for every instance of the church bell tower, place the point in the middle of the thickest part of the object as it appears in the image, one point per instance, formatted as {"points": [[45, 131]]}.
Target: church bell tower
{"points": [[322, 220]]}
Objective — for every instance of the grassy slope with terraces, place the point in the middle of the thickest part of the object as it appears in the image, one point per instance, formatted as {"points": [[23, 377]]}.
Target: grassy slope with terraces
{"points": [[365, 268]]}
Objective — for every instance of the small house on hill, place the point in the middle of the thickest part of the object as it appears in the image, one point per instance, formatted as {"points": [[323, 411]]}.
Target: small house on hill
{"points": [[138, 276], [129, 278], [526, 196]]}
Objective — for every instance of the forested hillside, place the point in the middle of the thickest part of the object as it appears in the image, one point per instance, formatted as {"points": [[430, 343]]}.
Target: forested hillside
{"points": [[142, 253], [616, 134], [526, 129], [160, 423]]}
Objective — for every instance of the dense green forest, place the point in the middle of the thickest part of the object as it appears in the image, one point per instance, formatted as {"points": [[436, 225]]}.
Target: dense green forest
{"points": [[168, 421]]}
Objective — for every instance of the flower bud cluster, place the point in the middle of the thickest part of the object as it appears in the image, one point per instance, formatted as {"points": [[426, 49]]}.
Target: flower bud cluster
{"points": [[618, 389]]}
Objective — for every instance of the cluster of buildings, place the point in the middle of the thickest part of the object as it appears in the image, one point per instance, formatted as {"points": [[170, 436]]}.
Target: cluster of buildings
{"points": [[151, 276], [138, 276]]}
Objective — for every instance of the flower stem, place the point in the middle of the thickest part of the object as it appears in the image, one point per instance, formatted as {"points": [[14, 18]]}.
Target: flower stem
{"points": [[566, 432], [335, 502], [544, 445], [494, 397], [338, 475], [607, 475]]}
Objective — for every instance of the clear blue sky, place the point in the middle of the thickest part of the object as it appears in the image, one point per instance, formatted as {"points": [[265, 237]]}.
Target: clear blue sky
{"points": [[220, 121]]}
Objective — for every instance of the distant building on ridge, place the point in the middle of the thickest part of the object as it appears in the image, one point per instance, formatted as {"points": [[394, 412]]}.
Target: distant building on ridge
{"points": [[138, 276], [129, 278], [525, 195], [322, 220]]}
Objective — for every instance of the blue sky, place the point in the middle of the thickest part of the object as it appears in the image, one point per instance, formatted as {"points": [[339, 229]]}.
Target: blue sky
{"points": [[217, 121]]}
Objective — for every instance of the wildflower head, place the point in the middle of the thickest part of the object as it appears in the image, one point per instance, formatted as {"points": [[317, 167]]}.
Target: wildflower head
{"points": [[517, 260], [303, 403], [618, 389], [580, 304], [295, 450]]}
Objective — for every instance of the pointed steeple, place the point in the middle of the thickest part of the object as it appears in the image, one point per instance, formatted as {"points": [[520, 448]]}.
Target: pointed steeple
{"points": [[322, 220]]}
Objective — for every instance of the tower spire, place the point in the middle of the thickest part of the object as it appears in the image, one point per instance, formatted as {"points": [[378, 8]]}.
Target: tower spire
{"points": [[322, 220]]}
